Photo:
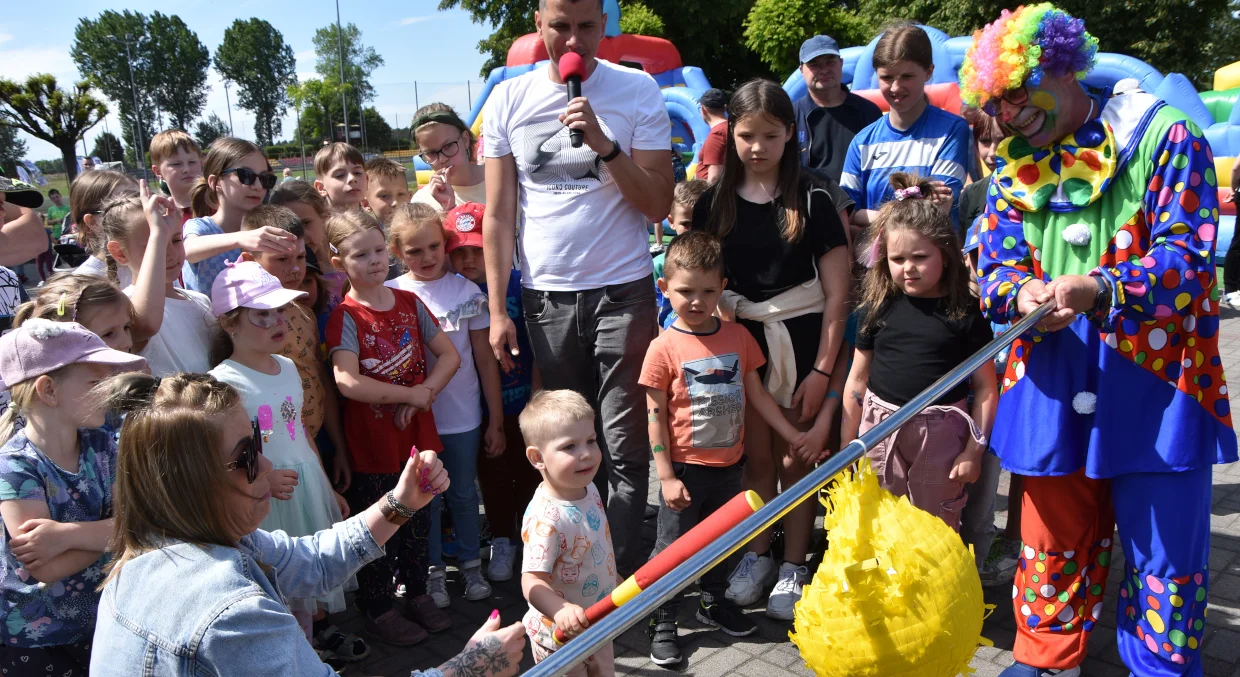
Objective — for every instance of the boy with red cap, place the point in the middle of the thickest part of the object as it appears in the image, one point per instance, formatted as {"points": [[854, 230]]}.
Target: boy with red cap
{"points": [[508, 480]]}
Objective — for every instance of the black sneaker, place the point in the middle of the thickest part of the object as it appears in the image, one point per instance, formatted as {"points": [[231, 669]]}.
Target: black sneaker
{"points": [[664, 640], [726, 616]]}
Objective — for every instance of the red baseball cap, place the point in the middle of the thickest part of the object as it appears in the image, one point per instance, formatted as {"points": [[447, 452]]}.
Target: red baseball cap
{"points": [[463, 226]]}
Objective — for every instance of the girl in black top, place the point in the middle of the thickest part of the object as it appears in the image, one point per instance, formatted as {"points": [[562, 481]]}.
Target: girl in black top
{"points": [[780, 230], [919, 320]]}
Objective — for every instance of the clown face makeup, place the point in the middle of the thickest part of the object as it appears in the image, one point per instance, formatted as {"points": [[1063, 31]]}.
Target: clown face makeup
{"points": [[1042, 115]]}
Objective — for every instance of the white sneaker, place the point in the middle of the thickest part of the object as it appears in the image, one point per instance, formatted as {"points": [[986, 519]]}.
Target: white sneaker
{"points": [[476, 587], [437, 587], [1231, 300], [787, 591], [503, 552], [750, 579]]}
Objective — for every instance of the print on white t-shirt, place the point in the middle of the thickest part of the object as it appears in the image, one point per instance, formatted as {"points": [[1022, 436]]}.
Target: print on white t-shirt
{"points": [[576, 231]]}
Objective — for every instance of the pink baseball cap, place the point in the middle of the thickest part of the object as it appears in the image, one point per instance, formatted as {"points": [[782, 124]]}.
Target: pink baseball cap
{"points": [[42, 346], [463, 226], [246, 285]]}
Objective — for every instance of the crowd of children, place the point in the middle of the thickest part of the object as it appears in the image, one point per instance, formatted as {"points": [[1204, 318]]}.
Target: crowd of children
{"points": [[350, 314]]}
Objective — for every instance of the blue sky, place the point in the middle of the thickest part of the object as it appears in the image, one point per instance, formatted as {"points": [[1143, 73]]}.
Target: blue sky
{"points": [[436, 49]]}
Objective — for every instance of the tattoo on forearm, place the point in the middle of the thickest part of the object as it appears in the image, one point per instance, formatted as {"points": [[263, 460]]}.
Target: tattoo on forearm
{"points": [[653, 414], [857, 395], [658, 449], [487, 657]]}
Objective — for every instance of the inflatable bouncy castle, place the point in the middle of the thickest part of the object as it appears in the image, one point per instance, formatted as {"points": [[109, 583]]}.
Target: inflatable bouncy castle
{"points": [[1214, 111]]}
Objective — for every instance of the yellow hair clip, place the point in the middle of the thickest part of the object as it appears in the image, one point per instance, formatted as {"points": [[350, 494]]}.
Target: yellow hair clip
{"points": [[60, 308]]}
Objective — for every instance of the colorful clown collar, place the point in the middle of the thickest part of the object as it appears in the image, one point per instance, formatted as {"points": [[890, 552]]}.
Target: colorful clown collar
{"points": [[1067, 176]]}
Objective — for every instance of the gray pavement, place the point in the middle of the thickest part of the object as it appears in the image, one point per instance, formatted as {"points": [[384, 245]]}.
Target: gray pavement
{"points": [[770, 654]]}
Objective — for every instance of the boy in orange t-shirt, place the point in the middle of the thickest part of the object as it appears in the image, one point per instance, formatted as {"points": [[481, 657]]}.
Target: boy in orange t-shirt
{"points": [[698, 375]]}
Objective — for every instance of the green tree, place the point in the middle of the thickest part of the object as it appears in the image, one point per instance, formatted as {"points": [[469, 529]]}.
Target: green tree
{"points": [[318, 103], [256, 58], [378, 131], [181, 73], [694, 26], [359, 60], [12, 149], [1150, 30], [99, 51], [210, 129], [775, 29], [107, 147], [511, 19], [708, 35], [45, 111], [56, 166], [638, 19]]}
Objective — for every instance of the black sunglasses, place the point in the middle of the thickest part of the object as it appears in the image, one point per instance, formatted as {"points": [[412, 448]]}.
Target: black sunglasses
{"points": [[248, 460], [247, 176]]}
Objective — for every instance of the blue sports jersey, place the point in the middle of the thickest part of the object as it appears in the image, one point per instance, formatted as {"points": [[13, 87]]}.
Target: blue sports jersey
{"points": [[936, 146]]}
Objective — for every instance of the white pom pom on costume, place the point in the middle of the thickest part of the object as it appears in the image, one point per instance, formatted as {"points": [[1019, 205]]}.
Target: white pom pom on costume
{"points": [[43, 329], [1085, 402], [1077, 234]]}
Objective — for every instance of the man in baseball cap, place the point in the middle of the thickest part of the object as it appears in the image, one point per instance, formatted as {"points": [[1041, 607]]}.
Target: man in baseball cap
{"points": [[828, 116]]}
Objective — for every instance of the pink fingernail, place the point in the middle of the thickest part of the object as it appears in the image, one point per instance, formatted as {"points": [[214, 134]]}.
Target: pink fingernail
{"points": [[494, 615], [425, 472]]}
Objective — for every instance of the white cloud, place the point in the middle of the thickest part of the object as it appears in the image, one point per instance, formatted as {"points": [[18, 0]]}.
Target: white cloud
{"points": [[17, 64], [5, 37], [410, 20], [305, 55]]}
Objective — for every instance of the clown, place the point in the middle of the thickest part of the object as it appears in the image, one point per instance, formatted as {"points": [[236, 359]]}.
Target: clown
{"points": [[1116, 408]]}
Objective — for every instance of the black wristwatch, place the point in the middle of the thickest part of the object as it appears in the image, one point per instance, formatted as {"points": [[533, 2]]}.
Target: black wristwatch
{"points": [[1102, 301], [615, 152]]}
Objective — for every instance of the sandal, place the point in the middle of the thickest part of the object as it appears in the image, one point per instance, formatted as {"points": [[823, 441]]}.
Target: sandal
{"points": [[334, 644]]}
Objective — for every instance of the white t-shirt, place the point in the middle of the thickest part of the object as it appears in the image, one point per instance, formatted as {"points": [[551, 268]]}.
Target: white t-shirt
{"points": [[460, 306], [184, 336], [570, 541], [577, 231], [97, 268]]}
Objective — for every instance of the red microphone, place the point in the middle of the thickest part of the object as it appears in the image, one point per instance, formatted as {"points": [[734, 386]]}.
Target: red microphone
{"points": [[572, 71]]}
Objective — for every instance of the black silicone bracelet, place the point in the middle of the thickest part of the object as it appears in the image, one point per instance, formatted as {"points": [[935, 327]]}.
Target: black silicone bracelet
{"points": [[615, 152], [821, 372]]}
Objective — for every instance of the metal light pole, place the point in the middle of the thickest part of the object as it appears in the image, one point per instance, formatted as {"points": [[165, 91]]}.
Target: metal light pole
{"points": [[105, 139], [139, 150], [228, 104], [344, 104], [361, 113]]}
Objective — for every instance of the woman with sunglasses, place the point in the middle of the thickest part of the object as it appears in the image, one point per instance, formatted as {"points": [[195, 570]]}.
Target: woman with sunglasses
{"points": [[446, 144], [235, 179], [196, 586]]}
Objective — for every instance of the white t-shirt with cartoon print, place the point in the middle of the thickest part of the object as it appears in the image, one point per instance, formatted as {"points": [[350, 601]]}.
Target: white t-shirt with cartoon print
{"points": [[460, 306], [571, 541]]}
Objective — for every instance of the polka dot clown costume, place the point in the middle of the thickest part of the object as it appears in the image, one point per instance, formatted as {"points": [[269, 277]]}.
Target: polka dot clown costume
{"points": [[1116, 419]]}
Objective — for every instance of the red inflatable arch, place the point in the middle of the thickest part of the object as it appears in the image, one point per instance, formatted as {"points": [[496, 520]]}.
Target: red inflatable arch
{"points": [[655, 55], [944, 95]]}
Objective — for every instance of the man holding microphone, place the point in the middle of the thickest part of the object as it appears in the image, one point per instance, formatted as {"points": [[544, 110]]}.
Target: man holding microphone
{"points": [[588, 292]]}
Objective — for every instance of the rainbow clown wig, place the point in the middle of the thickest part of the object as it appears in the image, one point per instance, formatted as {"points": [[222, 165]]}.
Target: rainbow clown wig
{"points": [[1021, 47]]}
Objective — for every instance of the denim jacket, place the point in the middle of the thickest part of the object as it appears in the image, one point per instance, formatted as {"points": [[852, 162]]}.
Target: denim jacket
{"points": [[189, 610]]}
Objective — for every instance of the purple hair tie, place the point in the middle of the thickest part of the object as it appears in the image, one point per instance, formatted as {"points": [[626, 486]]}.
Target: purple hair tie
{"points": [[904, 193]]}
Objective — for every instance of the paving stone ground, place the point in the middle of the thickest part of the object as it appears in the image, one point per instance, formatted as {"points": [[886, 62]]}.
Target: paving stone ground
{"points": [[770, 654]]}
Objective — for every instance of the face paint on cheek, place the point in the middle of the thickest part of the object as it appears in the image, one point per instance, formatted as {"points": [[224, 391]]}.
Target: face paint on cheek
{"points": [[1044, 100], [266, 321]]}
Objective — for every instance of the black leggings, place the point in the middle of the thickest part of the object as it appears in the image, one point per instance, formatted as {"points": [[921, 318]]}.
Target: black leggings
{"points": [[407, 550], [1231, 268], [66, 660]]}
